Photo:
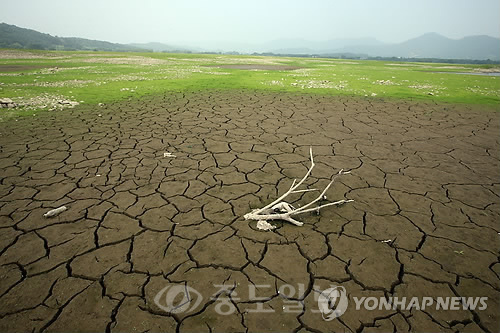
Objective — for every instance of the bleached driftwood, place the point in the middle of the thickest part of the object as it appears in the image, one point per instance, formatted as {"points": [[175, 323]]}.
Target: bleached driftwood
{"points": [[55, 212], [281, 210], [264, 225]]}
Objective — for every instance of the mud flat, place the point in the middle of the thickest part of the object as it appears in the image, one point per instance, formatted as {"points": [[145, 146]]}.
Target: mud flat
{"points": [[156, 189], [17, 68]]}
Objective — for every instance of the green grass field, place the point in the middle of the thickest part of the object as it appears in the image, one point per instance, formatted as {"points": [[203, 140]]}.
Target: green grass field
{"points": [[36, 80]]}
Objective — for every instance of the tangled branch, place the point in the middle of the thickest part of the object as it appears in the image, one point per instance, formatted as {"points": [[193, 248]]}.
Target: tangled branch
{"points": [[281, 210]]}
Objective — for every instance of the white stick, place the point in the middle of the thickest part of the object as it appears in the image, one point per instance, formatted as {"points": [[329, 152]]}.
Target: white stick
{"points": [[322, 193], [281, 210], [292, 188], [336, 203], [55, 212]]}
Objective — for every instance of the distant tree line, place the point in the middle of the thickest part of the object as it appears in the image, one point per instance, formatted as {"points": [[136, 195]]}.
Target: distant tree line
{"points": [[352, 56], [438, 60], [399, 59]]}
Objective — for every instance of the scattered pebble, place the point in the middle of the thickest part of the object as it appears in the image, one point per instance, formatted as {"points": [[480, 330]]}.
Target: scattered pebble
{"points": [[385, 82], [7, 103], [308, 84], [42, 101]]}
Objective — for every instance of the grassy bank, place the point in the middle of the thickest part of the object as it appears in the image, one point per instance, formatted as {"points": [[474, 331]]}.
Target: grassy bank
{"points": [[39, 80]]}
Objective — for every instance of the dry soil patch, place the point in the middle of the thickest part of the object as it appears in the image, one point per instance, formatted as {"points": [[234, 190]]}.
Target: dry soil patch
{"points": [[156, 190]]}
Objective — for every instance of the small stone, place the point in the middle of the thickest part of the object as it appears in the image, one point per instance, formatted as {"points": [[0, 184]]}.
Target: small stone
{"points": [[6, 101]]}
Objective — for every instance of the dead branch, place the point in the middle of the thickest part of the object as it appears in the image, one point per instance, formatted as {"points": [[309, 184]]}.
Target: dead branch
{"points": [[281, 210]]}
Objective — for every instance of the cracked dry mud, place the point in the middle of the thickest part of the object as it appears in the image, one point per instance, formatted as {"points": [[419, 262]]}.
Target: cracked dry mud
{"points": [[424, 176]]}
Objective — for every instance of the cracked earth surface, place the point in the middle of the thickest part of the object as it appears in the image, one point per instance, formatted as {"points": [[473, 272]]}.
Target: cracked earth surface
{"points": [[424, 176]]}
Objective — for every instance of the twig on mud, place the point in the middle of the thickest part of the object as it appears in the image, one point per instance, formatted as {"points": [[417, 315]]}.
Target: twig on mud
{"points": [[281, 210], [55, 212]]}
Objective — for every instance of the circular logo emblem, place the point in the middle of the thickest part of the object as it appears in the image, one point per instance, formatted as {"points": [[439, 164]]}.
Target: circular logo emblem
{"points": [[332, 302], [178, 298]]}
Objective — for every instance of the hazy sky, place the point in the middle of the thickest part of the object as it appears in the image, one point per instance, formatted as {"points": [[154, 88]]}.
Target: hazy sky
{"points": [[190, 21]]}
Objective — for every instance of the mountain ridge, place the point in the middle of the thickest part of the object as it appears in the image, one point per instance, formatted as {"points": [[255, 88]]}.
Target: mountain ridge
{"points": [[428, 45], [434, 45], [12, 36]]}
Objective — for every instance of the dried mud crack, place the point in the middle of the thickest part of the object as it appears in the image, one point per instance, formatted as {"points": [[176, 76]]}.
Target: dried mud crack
{"points": [[424, 223]]}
